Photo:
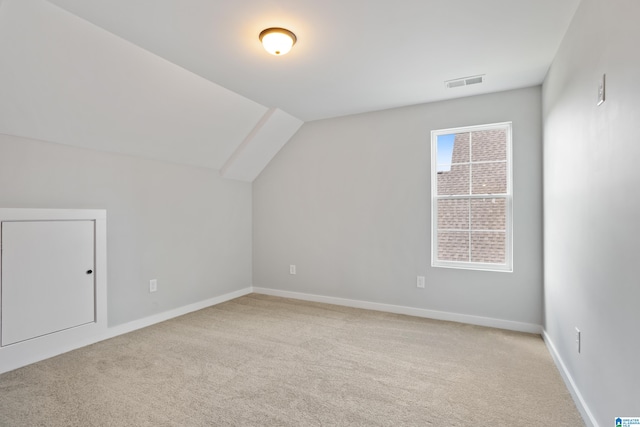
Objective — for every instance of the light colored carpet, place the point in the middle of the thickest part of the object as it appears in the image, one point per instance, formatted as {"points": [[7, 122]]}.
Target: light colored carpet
{"points": [[267, 361]]}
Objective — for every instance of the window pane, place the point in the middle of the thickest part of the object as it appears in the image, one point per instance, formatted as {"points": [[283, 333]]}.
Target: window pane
{"points": [[489, 214], [488, 247], [453, 214], [445, 152], [489, 145], [453, 246], [455, 181], [489, 178], [460, 148]]}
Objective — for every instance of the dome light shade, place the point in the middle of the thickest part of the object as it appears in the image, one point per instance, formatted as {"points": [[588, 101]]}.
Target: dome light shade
{"points": [[277, 41]]}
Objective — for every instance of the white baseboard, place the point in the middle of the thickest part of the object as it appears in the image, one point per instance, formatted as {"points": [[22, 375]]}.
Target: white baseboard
{"points": [[161, 317], [582, 406], [411, 311], [22, 354]]}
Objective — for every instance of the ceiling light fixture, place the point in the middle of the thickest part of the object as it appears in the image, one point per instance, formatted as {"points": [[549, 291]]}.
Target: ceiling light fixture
{"points": [[277, 41]]}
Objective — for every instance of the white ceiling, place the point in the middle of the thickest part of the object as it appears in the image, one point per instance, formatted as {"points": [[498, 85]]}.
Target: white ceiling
{"points": [[352, 56], [187, 80]]}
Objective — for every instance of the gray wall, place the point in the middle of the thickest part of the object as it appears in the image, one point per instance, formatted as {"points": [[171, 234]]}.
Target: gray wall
{"points": [[347, 200], [591, 177], [184, 226]]}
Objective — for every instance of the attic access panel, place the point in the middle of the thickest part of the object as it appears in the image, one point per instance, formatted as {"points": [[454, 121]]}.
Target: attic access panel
{"points": [[47, 278]]}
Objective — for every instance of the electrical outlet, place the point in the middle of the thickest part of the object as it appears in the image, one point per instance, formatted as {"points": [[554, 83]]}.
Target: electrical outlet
{"points": [[420, 282], [578, 340], [292, 269], [153, 285]]}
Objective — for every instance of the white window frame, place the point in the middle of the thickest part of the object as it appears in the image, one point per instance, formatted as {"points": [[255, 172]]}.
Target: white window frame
{"points": [[508, 196]]}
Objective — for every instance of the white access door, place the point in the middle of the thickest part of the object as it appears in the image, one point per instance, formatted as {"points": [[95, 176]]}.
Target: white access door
{"points": [[47, 277]]}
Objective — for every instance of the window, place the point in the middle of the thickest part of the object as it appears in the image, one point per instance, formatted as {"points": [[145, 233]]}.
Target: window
{"points": [[471, 197]]}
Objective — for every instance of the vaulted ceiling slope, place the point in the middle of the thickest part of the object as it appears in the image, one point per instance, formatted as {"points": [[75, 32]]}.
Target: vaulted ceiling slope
{"points": [[187, 80], [65, 80]]}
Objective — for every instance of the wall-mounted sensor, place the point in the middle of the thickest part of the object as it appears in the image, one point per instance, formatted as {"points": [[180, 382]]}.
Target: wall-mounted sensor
{"points": [[601, 90]]}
